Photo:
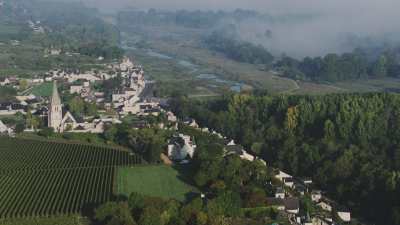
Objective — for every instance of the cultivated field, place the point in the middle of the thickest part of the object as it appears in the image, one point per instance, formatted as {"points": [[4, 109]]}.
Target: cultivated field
{"points": [[157, 181], [42, 178]]}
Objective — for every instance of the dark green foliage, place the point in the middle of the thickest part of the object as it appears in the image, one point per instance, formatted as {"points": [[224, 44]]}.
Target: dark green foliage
{"points": [[238, 50], [348, 66], [348, 143], [46, 132], [7, 93]]}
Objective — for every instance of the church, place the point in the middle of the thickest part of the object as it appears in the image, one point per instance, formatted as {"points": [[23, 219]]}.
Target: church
{"points": [[56, 119]]}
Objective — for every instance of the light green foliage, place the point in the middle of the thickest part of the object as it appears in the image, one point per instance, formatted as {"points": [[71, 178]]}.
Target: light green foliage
{"points": [[157, 181]]}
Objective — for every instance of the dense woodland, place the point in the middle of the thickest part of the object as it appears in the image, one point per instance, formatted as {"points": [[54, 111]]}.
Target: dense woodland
{"points": [[185, 18], [359, 64], [241, 51], [349, 143]]}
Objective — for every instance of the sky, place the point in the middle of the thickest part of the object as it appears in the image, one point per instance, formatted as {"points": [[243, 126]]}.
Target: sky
{"points": [[337, 19]]}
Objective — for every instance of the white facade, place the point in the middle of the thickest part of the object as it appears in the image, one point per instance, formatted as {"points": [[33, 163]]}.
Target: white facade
{"points": [[3, 128], [345, 216], [178, 152], [282, 175], [325, 206], [316, 196]]}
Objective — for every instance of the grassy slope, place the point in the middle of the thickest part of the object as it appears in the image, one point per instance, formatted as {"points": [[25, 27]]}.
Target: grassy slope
{"points": [[157, 181], [43, 90]]}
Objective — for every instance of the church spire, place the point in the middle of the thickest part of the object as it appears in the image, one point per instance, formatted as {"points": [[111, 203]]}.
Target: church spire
{"points": [[55, 98]]}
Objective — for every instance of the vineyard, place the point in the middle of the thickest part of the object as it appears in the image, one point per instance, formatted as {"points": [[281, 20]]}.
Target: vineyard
{"points": [[42, 178]]}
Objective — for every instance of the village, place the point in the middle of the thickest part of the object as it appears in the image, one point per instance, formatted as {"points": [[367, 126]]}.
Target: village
{"points": [[129, 100], [126, 100]]}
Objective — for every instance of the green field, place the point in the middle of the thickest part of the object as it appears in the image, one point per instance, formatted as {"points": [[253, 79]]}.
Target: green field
{"points": [[39, 178], [43, 90], [156, 181]]}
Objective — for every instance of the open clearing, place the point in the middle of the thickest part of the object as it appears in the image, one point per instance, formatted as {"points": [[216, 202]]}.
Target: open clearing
{"points": [[157, 181]]}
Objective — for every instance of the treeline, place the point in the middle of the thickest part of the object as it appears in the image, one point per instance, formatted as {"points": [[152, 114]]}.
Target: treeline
{"points": [[349, 144], [241, 51], [348, 66], [185, 18]]}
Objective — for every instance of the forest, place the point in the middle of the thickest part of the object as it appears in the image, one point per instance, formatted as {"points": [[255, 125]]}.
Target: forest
{"points": [[359, 64], [184, 18], [348, 143], [238, 50]]}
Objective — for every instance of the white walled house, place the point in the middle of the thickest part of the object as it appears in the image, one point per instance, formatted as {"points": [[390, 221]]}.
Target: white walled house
{"points": [[316, 195], [280, 193], [282, 175], [325, 206], [181, 147], [344, 215]]}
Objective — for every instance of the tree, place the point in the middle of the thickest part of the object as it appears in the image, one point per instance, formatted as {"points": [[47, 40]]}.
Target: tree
{"points": [[379, 69], [23, 84], [227, 204], [113, 213], [76, 106], [47, 132], [19, 127]]}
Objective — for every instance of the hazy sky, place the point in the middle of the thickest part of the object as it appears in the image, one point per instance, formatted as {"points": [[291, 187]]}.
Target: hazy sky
{"points": [[377, 19], [354, 6]]}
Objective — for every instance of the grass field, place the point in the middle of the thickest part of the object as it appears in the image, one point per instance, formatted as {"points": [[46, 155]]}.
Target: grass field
{"points": [[157, 181], [43, 90]]}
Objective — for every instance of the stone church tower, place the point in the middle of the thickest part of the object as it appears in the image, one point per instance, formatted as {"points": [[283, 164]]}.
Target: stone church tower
{"points": [[55, 110]]}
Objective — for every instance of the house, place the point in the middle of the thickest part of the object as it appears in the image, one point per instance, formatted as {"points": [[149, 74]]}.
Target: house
{"points": [[171, 117], [181, 147], [318, 220], [344, 215], [316, 195], [282, 175], [238, 150], [288, 182], [325, 205], [280, 193], [292, 205], [10, 108], [191, 123], [3, 128], [4, 81]]}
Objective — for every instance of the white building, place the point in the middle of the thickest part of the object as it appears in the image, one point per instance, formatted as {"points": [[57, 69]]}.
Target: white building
{"points": [[344, 215], [181, 147], [280, 193], [4, 129], [316, 195]]}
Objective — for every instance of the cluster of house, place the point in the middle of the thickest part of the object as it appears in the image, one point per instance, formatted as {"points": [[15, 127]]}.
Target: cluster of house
{"points": [[181, 148], [284, 200], [36, 26], [127, 101]]}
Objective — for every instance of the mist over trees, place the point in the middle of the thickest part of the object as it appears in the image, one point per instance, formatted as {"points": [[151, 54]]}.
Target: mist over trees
{"points": [[348, 66]]}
